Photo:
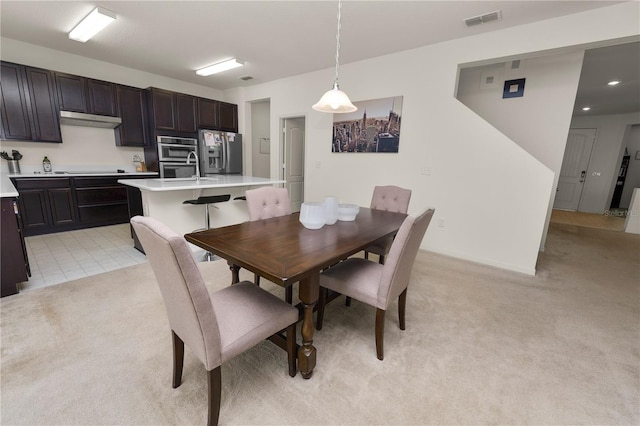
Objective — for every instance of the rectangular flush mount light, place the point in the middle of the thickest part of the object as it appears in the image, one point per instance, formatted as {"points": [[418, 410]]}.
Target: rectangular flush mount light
{"points": [[92, 24], [220, 66]]}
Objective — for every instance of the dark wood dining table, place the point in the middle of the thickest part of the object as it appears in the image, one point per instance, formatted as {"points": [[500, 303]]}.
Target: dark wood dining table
{"points": [[283, 251]]}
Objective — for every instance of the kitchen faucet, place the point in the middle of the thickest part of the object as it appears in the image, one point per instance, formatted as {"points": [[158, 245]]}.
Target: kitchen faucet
{"points": [[197, 163]]}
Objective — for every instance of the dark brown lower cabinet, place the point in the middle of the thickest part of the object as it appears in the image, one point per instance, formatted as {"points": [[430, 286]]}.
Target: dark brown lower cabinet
{"points": [[15, 263], [101, 201], [51, 205], [47, 205]]}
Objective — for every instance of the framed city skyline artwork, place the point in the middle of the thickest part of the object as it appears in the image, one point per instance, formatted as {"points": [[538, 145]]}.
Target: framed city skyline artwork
{"points": [[374, 127]]}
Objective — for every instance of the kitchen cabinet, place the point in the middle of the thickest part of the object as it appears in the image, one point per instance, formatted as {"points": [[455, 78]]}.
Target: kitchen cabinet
{"points": [[47, 205], [13, 251], [217, 115], [172, 111], [101, 201], [228, 117], [80, 94], [29, 104], [186, 113], [15, 115], [131, 105], [208, 115]]}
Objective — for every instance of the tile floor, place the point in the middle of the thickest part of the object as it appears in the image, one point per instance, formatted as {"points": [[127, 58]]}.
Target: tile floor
{"points": [[66, 256]]}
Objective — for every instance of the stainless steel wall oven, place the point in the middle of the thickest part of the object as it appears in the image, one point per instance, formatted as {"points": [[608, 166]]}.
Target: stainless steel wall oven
{"points": [[175, 158]]}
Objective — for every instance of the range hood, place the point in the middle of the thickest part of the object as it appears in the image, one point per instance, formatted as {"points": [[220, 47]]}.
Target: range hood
{"points": [[89, 120]]}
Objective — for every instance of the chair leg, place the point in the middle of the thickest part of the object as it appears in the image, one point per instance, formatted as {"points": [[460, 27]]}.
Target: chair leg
{"points": [[322, 301], [256, 279], [178, 359], [380, 333], [292, 350], [288, 294], [402, 304], [215, 395], [347, 301]]}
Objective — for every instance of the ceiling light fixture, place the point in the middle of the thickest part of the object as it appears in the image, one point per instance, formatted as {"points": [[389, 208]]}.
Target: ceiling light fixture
{"points": [[335, 100], [613, 83], [220, 66], [92, 24], [586, 108]]}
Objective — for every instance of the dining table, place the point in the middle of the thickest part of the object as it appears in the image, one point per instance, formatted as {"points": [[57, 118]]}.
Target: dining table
{"points": [[283, 251]]}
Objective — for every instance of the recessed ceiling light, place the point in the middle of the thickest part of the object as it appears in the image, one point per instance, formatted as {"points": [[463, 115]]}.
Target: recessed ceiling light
{"points": [[220, 66], [586, 108], [92, 24], [613, 83]]}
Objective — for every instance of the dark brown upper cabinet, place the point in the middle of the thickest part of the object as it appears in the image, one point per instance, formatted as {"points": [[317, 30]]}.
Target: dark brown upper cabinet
{"points": [[172, 111], [131, 103], [186, 113], [102, 97], [16, 124], [29, 104], [217, 115], [228, 117], [208, 114], [80, 94]]}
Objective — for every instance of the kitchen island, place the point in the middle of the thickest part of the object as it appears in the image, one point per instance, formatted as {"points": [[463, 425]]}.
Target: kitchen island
{"points": [[163, 199]]}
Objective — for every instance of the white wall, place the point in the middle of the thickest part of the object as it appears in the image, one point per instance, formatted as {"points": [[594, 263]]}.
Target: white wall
{"points": [[492, 195], [260, 129], [549, 95], [632, 143], [85, 145], [606, 156]]}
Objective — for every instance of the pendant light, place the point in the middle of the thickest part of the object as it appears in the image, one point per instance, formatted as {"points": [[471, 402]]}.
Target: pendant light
{"points": [[335, 100]]}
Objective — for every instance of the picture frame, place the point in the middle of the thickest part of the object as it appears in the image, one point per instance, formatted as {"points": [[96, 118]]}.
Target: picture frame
{"points": [[373, 128], [513, 88]]}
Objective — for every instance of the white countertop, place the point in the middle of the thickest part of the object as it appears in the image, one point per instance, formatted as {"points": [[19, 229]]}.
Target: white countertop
{"points": [[6, 186], [220, 181], [81, 173]]}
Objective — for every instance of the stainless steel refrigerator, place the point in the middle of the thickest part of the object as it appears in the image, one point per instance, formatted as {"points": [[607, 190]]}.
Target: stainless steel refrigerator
{"points": [[220, 152]]}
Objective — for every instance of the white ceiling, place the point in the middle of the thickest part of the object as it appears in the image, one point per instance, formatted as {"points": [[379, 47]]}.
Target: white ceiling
{"points": [[277, 39]]}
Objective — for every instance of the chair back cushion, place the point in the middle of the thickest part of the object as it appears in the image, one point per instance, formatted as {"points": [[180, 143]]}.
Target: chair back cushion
{"points": [[185, 296], [399, 261], [267, 202], [391, 198]]}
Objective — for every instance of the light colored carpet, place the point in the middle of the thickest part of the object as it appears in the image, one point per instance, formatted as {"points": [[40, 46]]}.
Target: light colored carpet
{"points": [[482, 346]]}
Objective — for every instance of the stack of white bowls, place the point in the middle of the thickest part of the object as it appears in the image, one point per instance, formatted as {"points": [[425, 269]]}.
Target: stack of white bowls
{"points": [[316, 215]]}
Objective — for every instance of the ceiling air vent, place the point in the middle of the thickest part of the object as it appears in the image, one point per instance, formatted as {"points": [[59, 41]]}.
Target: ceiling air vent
{"points": [[483, 19], [246, 78]]}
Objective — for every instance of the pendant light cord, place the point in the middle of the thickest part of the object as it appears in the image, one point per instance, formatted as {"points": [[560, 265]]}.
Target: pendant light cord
{"points": [[335, 81]]}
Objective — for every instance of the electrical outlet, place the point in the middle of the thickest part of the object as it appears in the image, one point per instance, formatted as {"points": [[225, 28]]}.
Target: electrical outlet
{"points": [[441, 223], [318, 164], [426, 171]]}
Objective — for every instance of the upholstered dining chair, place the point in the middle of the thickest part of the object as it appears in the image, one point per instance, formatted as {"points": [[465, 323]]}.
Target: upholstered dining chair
{"points": [[391, 198], [215, 326], [376, 284], [264, 203]]}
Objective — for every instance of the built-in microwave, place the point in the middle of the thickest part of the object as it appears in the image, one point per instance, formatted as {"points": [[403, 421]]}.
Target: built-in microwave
{"points": [[171, 170], [175, 149]]}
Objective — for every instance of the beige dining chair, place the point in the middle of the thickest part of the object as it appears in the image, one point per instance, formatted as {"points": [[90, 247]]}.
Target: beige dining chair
{"points": [[391, 198], [216, 326], [264, 203], [376, 284]]}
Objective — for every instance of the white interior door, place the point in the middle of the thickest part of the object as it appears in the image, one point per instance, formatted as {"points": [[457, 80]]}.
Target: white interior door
{"points": [[573, 172], [293, 164]]}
